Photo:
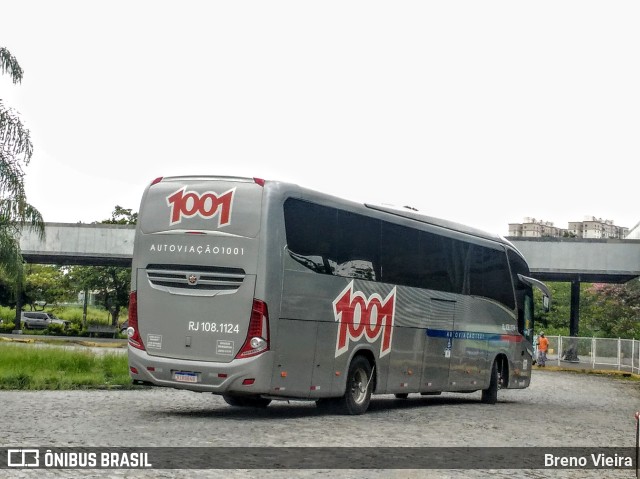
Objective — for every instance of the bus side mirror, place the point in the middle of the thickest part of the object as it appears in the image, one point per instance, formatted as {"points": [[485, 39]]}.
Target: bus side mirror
{"points": [[546, 293]]}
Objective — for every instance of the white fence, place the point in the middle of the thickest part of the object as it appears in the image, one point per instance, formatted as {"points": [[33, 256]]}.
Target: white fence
{"points": [[594, 353]]}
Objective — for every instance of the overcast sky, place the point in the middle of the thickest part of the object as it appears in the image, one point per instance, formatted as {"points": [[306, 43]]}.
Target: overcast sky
{"points": [[481, 112]]}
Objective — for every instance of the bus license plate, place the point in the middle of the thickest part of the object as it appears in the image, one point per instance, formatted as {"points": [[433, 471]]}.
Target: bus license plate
{"points": [[185, 377]]}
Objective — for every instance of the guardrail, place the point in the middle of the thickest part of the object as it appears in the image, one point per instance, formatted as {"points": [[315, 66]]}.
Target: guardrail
{"points": [[102, 329], [594, 353]]}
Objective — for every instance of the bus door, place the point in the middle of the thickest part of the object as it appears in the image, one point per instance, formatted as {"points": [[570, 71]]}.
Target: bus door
{"points": [[438, 346], [468, 366]]}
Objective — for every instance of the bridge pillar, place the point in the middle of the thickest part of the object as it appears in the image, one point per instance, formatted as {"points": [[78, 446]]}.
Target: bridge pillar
{"points": [[575, 307], [85, 301], [17, 328], [571, 351]]}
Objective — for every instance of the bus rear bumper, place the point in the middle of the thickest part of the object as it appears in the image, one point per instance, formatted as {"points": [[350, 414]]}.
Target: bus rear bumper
{"points": [[240, 376]]}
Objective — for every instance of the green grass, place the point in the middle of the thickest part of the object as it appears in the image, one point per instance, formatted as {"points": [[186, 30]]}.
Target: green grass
{"points": [[37, 368]]}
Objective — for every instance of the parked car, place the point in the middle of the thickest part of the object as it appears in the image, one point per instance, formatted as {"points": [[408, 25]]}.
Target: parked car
{"points": [[41, 320]]}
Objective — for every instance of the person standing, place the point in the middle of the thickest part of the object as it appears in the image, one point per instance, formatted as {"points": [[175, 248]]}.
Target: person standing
{"points": [[543, 346]]}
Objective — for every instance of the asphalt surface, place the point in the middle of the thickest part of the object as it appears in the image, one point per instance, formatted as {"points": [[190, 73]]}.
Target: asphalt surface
{"points": [[558, 409]]}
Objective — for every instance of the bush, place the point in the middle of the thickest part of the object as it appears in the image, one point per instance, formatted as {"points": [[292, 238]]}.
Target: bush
{"points": [[55, 330], [7, 315], [6, 327], [73, 330], [34, 332]]}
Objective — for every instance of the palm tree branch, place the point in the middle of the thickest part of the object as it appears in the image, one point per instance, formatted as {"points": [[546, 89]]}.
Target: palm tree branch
{"points": [[9, 64], [14, 137]]}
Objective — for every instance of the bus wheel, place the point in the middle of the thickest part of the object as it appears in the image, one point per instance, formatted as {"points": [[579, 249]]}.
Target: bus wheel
{"points": [[246, 401], [359, 386], [402, 395], [490, 395]]}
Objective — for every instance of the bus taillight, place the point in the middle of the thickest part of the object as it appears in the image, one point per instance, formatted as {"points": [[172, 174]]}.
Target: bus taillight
{"points": [[132, 331], [258, 333]]}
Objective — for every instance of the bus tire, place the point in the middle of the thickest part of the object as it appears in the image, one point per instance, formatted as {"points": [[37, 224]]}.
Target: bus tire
{"points": [[359, 386], [490, 395], [401, 395], [246, 401]]}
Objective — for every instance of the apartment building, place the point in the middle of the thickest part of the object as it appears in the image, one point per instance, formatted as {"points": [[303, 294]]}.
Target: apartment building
{"points": [[533, 228], [590, 227]]}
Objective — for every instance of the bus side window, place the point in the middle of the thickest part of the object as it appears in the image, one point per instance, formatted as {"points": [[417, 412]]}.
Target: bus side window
{"points": [[443, 262], [399, 255], [303, 223], [358, 245], [489, 275]]}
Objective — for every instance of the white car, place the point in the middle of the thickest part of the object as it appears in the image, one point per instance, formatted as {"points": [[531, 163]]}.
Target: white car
{"points": [[41, 320]]}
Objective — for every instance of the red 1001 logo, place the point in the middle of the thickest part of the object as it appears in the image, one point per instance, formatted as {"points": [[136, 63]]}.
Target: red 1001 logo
{"points": [[360, 316], [187, 204]]}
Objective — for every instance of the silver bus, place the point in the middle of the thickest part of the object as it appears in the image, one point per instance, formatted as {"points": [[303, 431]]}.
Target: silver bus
{"points": [[260, 290]]}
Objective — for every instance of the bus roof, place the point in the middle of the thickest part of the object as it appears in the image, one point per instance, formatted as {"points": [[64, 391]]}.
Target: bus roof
{"points": [[404, 212], [451, 225]]}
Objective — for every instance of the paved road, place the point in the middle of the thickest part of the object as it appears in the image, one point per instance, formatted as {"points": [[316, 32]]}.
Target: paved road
{"points": [[559, 409]]}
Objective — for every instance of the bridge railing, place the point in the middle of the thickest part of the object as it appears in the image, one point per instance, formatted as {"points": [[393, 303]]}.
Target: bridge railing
{"points": [[594, 353]]}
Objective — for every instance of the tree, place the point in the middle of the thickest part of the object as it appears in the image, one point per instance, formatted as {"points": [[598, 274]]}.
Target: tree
{"points": [[45, 284], [556, 321], [122, 216], [617, 308], [8, 291], [111, 282], [16, 151]]}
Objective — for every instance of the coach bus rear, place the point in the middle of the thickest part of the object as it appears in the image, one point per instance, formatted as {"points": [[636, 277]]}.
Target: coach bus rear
{"points": [[194, 322]]}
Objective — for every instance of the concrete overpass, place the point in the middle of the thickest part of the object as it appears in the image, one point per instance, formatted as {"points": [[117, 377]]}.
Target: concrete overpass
{"points": [[79, 244], [585, 260], [550, 259]]}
